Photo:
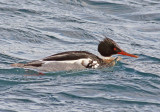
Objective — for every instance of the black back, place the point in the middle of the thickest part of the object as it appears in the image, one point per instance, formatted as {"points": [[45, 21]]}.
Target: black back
{"points": [[71, 55]]}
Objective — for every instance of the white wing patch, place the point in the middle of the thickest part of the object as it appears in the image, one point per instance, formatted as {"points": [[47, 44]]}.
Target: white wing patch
{"points": [[86, 62]]}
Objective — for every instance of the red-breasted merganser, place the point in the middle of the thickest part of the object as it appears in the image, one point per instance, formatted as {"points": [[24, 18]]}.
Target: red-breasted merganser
{"points": [[76, 60]]}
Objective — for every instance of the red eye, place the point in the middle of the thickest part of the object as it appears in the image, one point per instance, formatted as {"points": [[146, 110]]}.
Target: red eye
{"points": [[115, 49]]}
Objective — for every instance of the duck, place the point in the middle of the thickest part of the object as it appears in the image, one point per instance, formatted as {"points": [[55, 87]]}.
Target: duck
{"points": [[78, 60]]}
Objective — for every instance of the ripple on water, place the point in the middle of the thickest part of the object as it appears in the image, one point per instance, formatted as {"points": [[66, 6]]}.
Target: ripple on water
{"points": [[34, 29]]}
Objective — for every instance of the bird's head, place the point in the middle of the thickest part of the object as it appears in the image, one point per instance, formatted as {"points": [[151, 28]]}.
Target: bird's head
{"points": [[108, 47]]}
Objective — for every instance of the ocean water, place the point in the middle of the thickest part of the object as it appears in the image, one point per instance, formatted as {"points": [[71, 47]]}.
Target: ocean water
{"points": [[34, 29]]}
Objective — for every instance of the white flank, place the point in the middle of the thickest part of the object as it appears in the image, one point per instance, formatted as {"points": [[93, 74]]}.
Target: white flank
{"points": [[79, 61], [82, 62]]}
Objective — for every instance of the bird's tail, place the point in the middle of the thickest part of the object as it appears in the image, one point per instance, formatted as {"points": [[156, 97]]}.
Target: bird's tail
{"points": [[17, 65]]}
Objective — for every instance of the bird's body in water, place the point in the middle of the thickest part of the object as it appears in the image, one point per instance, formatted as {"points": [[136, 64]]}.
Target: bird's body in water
{"points": [[76, 60]]}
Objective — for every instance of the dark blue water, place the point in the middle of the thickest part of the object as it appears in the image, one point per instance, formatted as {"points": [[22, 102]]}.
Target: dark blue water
{"points": [[33, 29]]}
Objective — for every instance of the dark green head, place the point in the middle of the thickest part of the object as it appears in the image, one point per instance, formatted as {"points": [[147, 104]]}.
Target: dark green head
{"points": [[108, 47]]}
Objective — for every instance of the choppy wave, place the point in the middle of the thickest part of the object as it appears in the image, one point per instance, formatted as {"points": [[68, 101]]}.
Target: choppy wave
{"points": [[31, 30]]}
